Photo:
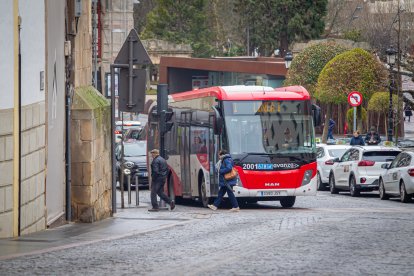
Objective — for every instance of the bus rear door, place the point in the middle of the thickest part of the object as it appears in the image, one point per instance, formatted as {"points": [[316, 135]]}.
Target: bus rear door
{"points": [[185, 153]]}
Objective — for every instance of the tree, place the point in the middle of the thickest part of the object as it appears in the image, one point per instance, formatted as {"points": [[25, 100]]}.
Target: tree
{"points": [[180, 21], [379, 103], [308, 64], [276, 23], [140, 13], [354, 70]]}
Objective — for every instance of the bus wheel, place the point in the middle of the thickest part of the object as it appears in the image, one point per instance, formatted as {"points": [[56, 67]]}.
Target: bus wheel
{"points": [[288, 201], [203, 192]]}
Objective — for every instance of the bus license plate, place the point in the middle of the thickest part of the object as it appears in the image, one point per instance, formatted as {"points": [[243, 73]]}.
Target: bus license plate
{"points": [[270, 193], [145, 174]]}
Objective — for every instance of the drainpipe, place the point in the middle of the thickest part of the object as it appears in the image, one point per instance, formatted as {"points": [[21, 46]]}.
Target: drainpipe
{"points": [[68, 159], [68, 103], [16, 120]]}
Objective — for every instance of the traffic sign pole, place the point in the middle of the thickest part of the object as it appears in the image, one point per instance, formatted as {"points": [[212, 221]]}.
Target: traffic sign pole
{"points": [[355, 118], [355, 99]]}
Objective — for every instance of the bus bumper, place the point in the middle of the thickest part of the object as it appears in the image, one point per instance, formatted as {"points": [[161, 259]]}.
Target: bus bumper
{"points": [[305, 190]]}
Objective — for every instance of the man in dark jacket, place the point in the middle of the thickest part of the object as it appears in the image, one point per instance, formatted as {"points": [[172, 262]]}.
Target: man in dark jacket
{"points": [[330, 128], [159, 172], [357, 139], [372, 138]]}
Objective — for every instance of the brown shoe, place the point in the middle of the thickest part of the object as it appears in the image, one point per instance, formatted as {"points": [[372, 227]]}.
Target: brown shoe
{"points": [[172, 205]]}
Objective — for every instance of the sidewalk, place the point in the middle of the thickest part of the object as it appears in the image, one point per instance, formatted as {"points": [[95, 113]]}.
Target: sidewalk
{"points": [[409, 129], [126, 222]]}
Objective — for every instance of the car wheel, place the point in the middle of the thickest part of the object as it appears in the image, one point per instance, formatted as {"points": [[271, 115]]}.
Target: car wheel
{"points": [[352, 187], [288, 202], [320, 187], [383, 195], [202, 190], [332, 187], [405, 198]]}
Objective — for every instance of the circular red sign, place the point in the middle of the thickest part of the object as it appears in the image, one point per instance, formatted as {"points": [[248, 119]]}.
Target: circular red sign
{"points": [[355, 98]]}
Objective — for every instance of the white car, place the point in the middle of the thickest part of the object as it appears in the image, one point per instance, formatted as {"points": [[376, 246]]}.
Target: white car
{"points": [[125, 126], [359, 168], [398, 178], [325, 155]]}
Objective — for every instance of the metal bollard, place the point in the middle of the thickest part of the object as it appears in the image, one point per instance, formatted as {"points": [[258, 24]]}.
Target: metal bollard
{"points": [[129, 189], [136, 190], [121, 183]]}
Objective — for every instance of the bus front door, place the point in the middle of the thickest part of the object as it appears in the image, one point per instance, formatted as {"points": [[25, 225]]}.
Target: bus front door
{"points": [[185, 153], [213, 155]]}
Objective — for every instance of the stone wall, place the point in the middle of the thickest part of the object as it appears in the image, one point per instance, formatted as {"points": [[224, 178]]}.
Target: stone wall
{"points": [[157, 48], [83, 47], [91, 156], [6, 173], [33, 169]]}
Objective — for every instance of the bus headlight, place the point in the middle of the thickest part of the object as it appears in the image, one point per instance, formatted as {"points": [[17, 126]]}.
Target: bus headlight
{"points": [[307, 177]]}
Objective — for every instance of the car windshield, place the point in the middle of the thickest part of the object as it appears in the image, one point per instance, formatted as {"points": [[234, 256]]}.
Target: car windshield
{"points": [[380, 156], [336, 152], [135, 149], [269, 127]]}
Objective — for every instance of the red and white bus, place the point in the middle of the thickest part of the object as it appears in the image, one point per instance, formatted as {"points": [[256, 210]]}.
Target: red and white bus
{"points": [[269, 133]]}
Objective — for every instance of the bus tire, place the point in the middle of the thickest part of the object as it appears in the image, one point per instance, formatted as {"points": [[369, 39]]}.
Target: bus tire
{"points": [[202, 192], [288, 202]]}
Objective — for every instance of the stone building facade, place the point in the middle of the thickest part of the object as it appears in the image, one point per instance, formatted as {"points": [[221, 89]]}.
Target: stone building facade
{"points": [[22, 118], [32, 116]]}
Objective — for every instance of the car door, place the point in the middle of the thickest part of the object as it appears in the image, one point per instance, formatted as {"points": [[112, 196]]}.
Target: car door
{"points": [[320, 153], [402, 164], [354, 158], [390, 174], [340, 170]]}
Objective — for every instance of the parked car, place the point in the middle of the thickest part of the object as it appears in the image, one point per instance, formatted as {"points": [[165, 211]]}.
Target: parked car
{"points": [[359, 168], [405, 144], [134, 134], [325, 155], [135, 160], [125, 126], [398, 178]]}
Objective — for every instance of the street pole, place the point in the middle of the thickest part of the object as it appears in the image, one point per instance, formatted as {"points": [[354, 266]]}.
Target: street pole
{"points": [[390, 113], [355, 111]]}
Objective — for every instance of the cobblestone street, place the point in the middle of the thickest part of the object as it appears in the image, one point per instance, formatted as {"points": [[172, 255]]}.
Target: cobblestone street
{"points": [[322, 235]]}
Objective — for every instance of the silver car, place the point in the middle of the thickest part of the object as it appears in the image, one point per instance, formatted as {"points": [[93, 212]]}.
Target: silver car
{"points": [[398, 178], [325, 155]]}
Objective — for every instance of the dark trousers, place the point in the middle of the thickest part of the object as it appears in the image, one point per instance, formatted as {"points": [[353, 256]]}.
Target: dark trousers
{"points": [[157, 188], [223, 190]]}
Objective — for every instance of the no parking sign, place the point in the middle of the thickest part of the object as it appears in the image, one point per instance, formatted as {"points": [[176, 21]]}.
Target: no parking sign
{"points": [[355, 98]]}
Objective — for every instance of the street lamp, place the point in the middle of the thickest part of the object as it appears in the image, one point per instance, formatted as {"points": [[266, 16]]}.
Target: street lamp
{"points": [[391, 53], [288, 59]]}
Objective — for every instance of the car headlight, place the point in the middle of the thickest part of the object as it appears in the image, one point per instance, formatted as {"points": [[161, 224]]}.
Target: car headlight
{"points": [[127, 171], [129, 164]]}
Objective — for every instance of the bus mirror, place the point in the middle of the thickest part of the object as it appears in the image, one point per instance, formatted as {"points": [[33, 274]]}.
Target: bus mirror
{"points": [[316, 114], [218, 122]]}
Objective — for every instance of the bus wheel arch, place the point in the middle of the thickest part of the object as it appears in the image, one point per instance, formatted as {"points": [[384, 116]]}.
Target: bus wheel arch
{"points": [[202, 189]]}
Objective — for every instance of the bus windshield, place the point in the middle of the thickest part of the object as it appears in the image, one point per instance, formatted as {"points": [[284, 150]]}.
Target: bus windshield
{"points": [[269, 127]]}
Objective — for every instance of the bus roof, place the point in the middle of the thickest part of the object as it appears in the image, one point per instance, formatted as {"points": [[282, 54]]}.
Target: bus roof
{"points": [[245, 93]]}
